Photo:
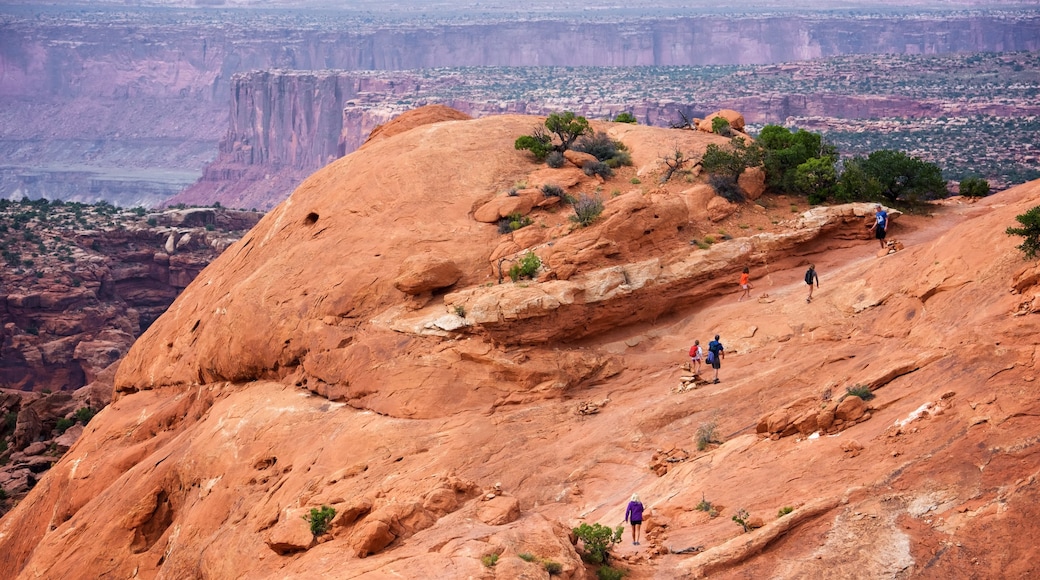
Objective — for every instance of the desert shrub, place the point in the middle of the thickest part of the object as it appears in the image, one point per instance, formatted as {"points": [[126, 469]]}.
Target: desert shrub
{"points": [[599, 145], [460, 311], [861, 391], [625, 117], [609, 573], [3, 494], [597, 168], [552, 190], [635, 181], [489, 560], [63, 425], [720, 126], [526, 556], [319, 519], [597, 540], [151, 222], [10, 420], [504, 227], [527, 267], [784, 511], [538, 144], [518, 220], [586, 210], [553, 568], [704, 505], [84, 414], [707, 434], [974, 187], [727, 187], [621, 158], [555, 160], [741, 519], [1030, 232]]}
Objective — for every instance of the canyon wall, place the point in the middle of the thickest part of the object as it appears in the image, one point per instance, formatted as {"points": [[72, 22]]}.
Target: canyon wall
{"points": [[86, 95]]}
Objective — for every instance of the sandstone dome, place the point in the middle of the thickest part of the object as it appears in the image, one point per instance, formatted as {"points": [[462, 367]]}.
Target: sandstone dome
{"points": [[360, 349]]}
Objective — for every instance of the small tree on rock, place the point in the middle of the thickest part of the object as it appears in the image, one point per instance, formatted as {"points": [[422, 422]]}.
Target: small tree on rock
{"points": [[1030, 230]]}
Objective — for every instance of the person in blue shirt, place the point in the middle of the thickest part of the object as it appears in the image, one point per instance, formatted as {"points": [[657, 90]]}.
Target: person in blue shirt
{"points": [[716, 353], [880, 227], [634, 516]]}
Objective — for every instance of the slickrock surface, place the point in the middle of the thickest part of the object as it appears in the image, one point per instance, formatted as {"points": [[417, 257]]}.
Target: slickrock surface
{"points": [[482, 417]]}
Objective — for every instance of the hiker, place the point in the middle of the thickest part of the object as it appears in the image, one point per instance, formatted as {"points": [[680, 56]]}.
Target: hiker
{"points": [[880, 227], [716, 352], [696, 356], [745, 284], [810, 275], [634, 516]]}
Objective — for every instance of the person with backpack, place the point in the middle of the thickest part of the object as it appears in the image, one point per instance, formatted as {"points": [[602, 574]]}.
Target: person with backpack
{"points": [[810, 275], [716, 352], [880, 227], [634, 516], [696, 356]]}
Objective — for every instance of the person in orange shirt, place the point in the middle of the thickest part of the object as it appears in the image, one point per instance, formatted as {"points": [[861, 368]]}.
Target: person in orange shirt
{"points": [[745, 284]]}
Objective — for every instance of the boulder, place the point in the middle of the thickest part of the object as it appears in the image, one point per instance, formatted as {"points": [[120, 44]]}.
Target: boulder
{"points": [[424, 273], [736, 120], [291, 534], [499, 510], [753, 182], [503, 205], [719, 208], [579, 159], [850, 408]]}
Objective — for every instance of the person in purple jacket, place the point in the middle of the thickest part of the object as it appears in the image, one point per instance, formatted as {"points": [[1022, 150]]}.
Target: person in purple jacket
{"points": [[634, 516]]}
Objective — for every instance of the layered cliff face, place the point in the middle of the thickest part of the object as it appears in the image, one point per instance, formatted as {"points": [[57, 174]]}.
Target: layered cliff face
{"points": [[447, 416], [128, 106]]}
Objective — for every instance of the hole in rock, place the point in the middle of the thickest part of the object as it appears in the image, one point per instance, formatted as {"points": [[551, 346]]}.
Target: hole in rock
{"points": [[311, 219]]}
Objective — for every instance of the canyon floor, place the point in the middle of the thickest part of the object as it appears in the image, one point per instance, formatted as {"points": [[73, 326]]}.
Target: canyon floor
{"points": [[356, 350]]}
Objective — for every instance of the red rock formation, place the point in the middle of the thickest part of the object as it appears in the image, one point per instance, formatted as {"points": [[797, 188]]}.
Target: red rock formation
{"points": [[292, 374]]}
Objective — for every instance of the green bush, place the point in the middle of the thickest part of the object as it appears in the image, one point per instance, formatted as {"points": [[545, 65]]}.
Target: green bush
{"points": [[84, 414], [3, 494], [319, 519], [625, 117], [552, 190], [63, 425], [489, 560], [609, 573], [526, 556], [1030, 232], [974, 187], [597, 540], [861, 391], [720, 126], [741, 518], [513, 222], [10, 420], [893, 175], [527, 267], [539, 146], [586, 210], [784, 511]]}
